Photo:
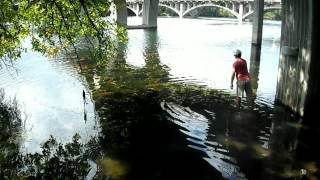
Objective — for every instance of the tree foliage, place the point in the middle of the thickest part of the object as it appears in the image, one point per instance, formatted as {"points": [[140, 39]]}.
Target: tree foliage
{"points": [[273, 15], [215, 12], [54, 26]]}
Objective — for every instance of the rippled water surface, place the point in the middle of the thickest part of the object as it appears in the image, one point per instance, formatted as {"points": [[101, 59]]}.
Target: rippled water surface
{"points": [[161, 110]]}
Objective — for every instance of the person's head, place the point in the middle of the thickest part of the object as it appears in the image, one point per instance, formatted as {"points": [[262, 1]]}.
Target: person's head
{"points": [[237, 53]]}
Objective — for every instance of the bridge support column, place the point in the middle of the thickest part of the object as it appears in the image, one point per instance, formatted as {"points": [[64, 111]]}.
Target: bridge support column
{"points": [[257, 22], [176, 5], [255, 67], [188, 5], [121, 12], [194, 4], [150, 13], [182, 9], [241, 8], [250, 7], [171, 4], [137, 9], [298, 75]]}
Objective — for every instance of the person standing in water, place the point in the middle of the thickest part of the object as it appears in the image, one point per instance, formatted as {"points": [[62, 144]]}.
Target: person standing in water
{"points": [[240, 71]]}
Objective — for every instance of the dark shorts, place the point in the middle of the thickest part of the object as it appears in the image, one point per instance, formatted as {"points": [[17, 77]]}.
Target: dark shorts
{"points": [[244, 86]]}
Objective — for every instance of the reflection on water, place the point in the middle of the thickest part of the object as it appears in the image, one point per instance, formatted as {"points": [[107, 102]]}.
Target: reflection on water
{"points": [[196, 126], [10, 135], [157, 111], [46, 91], [225, 135]]}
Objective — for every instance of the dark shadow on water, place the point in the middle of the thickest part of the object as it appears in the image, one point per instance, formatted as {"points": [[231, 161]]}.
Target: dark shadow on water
{"points": [[150, 144]]}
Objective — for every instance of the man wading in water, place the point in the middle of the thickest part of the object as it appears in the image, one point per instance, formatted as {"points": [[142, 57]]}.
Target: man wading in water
{"points": [[240, 70]]}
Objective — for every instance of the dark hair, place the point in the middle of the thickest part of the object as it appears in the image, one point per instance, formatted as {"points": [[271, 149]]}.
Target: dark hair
{"points": [[237, 55]]}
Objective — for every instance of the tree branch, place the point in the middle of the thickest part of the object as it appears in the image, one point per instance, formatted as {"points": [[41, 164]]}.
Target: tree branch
{"points": [[90, 20]]}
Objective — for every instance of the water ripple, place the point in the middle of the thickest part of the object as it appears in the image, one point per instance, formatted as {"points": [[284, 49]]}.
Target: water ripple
{"points": [[196, 128]]}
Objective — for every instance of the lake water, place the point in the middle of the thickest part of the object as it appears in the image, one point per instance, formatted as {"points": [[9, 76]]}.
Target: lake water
{"points": [[202, 49], [164, 109]]}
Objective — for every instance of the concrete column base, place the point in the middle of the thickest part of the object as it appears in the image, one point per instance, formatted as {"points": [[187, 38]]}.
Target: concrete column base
{"points": [[257, 22], [150, 13]]}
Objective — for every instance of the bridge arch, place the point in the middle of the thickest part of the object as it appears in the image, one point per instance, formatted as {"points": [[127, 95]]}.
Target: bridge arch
{"points": [[265, 9], [133, 10], [166, 6], [210, 5], [169, 7]]}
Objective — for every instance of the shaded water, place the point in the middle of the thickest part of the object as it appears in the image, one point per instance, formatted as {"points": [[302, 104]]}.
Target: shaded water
{"points": [[161, 110]]}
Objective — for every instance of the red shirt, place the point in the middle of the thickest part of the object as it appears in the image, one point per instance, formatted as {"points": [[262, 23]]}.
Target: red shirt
{"points": [[241, 70]]}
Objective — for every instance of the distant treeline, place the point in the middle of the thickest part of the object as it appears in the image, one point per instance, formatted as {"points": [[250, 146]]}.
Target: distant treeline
{"points": [[203, 12], [213, 12], [273, 14]]}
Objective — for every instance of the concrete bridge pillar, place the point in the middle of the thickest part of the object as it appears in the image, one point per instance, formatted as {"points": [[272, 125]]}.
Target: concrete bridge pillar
{"points": [[194, 4], [122, 13], [188, 5], [298, 75], [241, 8], [171, 4], [137, 9], [233, 7], [257, 22], [182, 9], [254, 67], [119, 12], [150, 13], [250, 7], [176, 6]]}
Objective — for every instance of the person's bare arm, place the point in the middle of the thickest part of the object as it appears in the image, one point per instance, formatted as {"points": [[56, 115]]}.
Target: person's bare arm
{"points": [[232, 78]]}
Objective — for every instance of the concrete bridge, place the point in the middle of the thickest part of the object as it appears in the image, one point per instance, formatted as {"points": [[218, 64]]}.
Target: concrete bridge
{"points": [[241, 9], [148, 9]]}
